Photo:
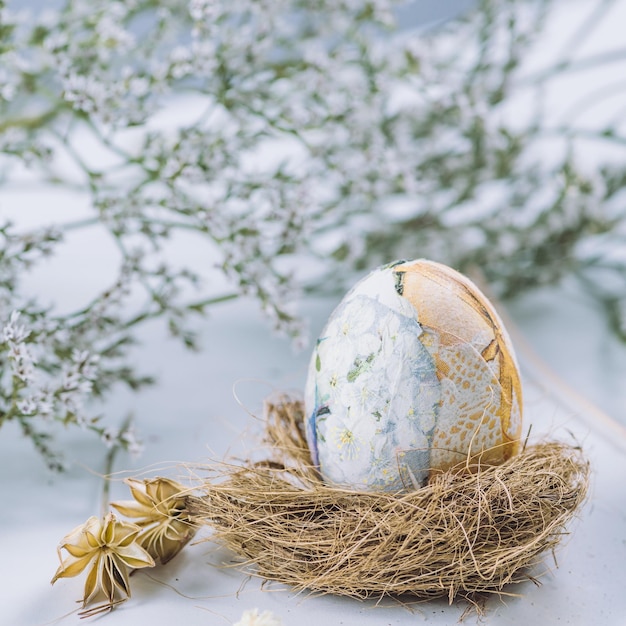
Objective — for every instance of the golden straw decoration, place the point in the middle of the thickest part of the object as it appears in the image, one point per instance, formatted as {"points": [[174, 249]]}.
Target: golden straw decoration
{"points": [[466, 532]]}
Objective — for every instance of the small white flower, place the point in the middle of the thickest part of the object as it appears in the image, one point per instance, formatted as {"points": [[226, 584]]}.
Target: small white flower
{"points": [[84, 386], [27, 406], [7, 91], [55, 41], [71, 380], [13, 332], [108, 437], [180, 54], [72, 403], [79, 356], [350, 333], [347, 443], [25, 372], [45, 405], [90, 371], [133, 445], [112, 37], [17, 352], [253, 618], [367, 395], [22, 361], [139, 86], [203, 9]]}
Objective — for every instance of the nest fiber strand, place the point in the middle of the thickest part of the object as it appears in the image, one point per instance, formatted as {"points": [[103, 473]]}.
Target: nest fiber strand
{"points": [[464, 533]]}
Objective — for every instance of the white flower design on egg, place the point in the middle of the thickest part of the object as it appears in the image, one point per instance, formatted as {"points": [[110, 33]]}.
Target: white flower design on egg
{"points": [[412, 373]]}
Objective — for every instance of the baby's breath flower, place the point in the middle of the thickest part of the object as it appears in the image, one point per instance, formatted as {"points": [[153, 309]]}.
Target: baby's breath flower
{"points": [[12, 332], [110, 546], [159, 508], [320, 146], [129, 440], [253, 618], [109, 437], [27, 406]]}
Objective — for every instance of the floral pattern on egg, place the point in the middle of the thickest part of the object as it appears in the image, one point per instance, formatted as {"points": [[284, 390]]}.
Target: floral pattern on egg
{"points": [[412, 371]]}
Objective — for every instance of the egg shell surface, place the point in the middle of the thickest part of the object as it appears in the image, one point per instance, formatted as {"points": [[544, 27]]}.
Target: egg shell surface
{"points": [[413, 373]]}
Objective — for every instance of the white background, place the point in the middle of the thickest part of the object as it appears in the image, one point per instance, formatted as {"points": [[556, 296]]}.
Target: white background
{"points": [[208, 405]]}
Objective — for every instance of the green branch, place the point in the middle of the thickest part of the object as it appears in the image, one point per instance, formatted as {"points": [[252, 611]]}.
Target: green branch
{"points": [[34, 122]]}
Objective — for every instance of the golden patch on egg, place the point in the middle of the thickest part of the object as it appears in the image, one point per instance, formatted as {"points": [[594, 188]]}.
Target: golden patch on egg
{"points": [[474, 353]]}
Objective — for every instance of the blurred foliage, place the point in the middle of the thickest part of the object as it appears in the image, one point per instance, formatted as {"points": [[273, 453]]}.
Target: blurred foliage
{"points": [[300, 140]]}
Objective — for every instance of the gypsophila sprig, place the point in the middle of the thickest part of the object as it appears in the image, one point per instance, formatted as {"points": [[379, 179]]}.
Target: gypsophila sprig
{"points": [[51, 367], [310, 140], [252, 617]]}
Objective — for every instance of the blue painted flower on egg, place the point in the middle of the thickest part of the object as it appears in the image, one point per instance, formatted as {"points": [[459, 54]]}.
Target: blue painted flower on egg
{"points": [[397, 389]]}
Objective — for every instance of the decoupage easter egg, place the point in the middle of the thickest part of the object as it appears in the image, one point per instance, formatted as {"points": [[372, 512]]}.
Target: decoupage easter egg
{"points": [[414, 373]]}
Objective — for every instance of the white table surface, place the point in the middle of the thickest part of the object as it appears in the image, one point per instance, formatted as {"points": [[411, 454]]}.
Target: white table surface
{"points": [[192, 415]]}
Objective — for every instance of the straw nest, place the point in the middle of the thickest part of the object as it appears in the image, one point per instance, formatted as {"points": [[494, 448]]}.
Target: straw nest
{"points": [[466, 532]]}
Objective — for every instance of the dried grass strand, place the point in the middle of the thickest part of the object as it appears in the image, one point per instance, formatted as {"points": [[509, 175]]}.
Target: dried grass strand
{"points": [[462, 534]]}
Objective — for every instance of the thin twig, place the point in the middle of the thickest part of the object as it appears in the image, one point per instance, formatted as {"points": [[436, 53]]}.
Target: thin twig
{"points": [[108, 467]]}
